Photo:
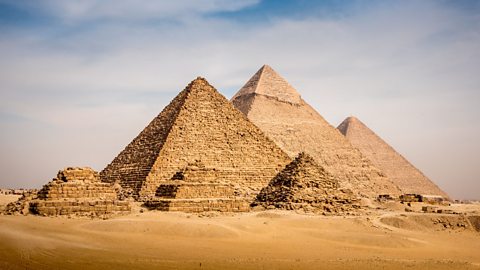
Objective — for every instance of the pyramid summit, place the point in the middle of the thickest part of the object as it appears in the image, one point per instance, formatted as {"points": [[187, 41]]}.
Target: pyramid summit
{"points": [[269, 83], [406, 176], [296, 127], [199, 144]]}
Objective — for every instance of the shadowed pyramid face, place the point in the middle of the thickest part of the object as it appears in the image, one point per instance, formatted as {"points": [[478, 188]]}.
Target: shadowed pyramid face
{"points": [[408, 178], [275, 107], [199, 126]]}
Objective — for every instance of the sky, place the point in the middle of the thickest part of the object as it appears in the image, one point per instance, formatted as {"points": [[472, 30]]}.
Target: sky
{"points": [[79, 79]]}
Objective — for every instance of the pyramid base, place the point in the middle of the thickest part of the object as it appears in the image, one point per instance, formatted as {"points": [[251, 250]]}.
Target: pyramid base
{"points": [[79, 207], [332, 208], [199, 205]]}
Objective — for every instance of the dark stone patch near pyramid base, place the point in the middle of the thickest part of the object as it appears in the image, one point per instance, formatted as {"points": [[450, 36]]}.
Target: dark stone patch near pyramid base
{"points": [[199, 205], [166, 191]]}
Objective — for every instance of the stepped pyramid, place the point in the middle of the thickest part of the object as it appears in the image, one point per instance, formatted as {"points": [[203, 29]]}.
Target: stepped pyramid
{"points": [[408, 178], [304, 184], [78, 191], [276, 107], [199, 146]]}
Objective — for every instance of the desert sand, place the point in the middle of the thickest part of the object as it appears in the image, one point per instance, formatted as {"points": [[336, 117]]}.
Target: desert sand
{"points": [[383, 239]]}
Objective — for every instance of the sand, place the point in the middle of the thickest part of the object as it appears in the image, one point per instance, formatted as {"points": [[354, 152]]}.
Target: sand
{"points": [[255, 240], [6, 199]]}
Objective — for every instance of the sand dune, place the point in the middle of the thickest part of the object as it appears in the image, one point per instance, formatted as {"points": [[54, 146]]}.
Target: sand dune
{"points": [[256, 240]]}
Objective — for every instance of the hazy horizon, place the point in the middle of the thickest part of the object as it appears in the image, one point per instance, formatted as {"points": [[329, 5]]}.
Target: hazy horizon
{"points": [[80, 79]]}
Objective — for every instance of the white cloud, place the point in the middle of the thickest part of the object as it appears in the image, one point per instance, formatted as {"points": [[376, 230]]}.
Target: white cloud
{"points": [[84, 10]]}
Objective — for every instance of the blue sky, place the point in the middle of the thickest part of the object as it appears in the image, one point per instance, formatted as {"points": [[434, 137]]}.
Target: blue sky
{"points": [[80, 78]]}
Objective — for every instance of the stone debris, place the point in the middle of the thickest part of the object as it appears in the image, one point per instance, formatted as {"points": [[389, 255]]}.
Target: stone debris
{"points": [[22, 205], [77, 191], [223, 158], [449, 223], [21, 191], [429, 209], [304, 185], [407, 177], [410, 198], [272, 104]]}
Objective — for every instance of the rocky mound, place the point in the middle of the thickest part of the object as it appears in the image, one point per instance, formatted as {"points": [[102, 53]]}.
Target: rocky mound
{"points": [[303, 184], [22, 205]]}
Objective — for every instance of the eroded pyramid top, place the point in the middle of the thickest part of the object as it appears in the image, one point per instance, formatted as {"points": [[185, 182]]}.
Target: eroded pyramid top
{"points": [[344, 126], [269, 83]]}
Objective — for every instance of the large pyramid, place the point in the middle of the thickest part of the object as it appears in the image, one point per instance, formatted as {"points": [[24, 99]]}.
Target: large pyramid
{"points": [[199, 146], [408, 178], [303, 184], [276, 107]]}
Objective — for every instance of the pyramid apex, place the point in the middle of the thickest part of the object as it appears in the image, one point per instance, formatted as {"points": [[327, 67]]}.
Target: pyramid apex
{"points": [[199, 81], [352, 118], [267, 82], [266, 66], [345, 125]]}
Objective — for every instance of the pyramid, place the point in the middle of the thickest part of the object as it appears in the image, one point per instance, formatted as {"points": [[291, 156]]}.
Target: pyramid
{"points": [[275, 107], [200, 148], [303, 184], [408, 178], [78, 191]]}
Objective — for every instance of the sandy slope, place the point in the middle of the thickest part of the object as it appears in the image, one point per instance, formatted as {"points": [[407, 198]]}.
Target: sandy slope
{"points": [[257, 240], [6, 199]]}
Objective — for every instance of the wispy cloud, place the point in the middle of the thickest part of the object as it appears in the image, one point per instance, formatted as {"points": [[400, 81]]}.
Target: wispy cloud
{"points": [[75, 11]]}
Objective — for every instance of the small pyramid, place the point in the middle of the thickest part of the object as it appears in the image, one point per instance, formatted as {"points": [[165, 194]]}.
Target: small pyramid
{"points": [[304, 184], [296, 127], [408, 178], [78, 191], [199, 126]]}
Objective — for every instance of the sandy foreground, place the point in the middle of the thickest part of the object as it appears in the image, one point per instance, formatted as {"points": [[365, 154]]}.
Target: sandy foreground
{"points": [[255, 240]]}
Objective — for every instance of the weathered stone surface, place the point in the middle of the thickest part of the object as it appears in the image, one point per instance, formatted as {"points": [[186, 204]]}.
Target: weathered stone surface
{"points": [[408, 178], [201, 138], [303, 184], [276, 108], [197, 188], [199, 205], [77, 191]]}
